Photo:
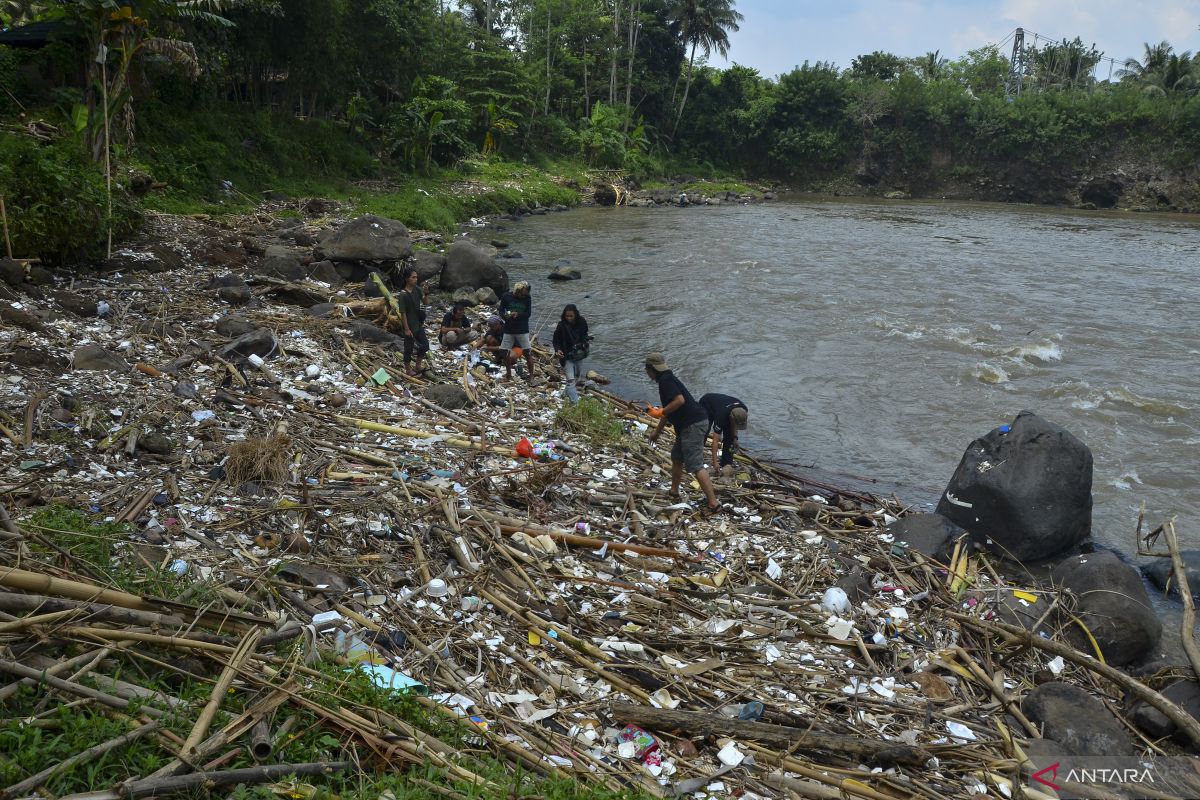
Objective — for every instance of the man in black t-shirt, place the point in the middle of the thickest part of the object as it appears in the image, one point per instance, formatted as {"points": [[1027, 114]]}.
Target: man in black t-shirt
{"points": [[691, 428], [726, 416], [516, 307], [456, 328]]}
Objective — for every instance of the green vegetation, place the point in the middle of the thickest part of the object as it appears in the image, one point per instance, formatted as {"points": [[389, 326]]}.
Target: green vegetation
{"points": [[33, 738], [93, 544], [431, 112], [593, 418]]}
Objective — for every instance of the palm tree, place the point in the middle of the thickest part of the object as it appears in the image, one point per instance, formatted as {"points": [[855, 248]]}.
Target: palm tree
{"points": [[705, 24], [1162, 71], [931, 66]]}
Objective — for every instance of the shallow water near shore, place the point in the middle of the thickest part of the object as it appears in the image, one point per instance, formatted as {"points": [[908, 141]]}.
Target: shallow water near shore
{"points": [[879, 338]]}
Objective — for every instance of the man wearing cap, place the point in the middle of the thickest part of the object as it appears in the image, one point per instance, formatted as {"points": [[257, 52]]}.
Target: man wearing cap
{"points": [[726, 416], [691, 428], [516, 307]]}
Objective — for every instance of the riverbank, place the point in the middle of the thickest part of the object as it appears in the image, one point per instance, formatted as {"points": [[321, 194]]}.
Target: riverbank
{"points": [[238, 474]]}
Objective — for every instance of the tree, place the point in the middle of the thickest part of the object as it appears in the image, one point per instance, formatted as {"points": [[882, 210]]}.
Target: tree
{"points": [[879, 66], [1066, 65], [1162, 71], [931, 66], [705, 24]]}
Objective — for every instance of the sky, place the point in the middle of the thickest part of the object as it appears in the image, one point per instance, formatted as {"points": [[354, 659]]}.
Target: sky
{"points": [[778, 35]]}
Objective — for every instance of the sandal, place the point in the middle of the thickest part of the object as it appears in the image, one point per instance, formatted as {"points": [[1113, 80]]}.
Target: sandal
{"points": [[676, 496], [709, 511]]}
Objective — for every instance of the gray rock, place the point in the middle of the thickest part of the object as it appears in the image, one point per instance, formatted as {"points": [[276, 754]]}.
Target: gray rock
{"points": [[297, 295], [1026, 493], [1160, 573], [1113, 604], [368, 238], [232, 326], [1185, 694], [464, 294], [20, 318], [235, 295], [499, 244], [95, 357], [605, 195], [160, 328], [510, 254], [259, 342], [372, 334], [565, 274], [11, 272], [486, 296], [75, 303], [468, 264], [856, 586], [447, 395], [326, 272], [186, 389], [283, 267], [1077, 720], [929, 534], [321, 310], [428, 264], [155, 442]]}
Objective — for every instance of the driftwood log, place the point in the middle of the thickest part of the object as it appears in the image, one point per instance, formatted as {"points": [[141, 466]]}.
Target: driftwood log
{"points": [[695, 723]]}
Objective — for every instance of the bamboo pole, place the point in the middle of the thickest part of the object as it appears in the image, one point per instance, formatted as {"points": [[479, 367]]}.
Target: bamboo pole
{"points": [[34, 781], [4, 216], [244, 650], [41, 676], [412, 433]]}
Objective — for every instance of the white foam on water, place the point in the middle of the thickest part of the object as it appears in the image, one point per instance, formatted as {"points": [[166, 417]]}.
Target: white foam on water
{"points": [[989, 373], [1045, 352], [1124, 481]]}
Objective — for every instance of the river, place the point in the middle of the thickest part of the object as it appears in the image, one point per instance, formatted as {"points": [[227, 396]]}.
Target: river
{"points": [[879, 338]]}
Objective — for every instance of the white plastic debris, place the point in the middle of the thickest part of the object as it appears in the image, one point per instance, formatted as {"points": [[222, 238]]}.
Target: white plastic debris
{"points": [[835, 601], [960, 732], [730, 756], [1056, 665]]}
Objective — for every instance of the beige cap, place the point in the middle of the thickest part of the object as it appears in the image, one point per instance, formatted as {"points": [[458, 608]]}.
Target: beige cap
{"points": [[657, 362], [738, 418], [519, 285]]}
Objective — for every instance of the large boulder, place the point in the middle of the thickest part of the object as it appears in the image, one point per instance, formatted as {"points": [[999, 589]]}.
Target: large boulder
{"points": [[1161, 573], [1077, 720], [486, 296], [1025, 493], [364, 331], [368, 238], [928, 534], [95, 357], [428, 264], [1113, 604], [234, 325], [1185, 694], [468, 264], [605, 194]]}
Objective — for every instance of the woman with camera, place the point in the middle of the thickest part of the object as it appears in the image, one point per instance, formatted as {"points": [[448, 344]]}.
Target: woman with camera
{"points": [[571, 347]]}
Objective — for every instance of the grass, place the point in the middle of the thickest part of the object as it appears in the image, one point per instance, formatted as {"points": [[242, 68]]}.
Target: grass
{"points": [[96, 545], [593, 418], [63, 732]]}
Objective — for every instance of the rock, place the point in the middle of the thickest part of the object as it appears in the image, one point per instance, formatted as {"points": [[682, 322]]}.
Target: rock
{"points": [[232, 326], [1077, 720], [486, 296], [368, 238], [1024, 613], [499, 244], [322, 310], [326, 272], [565, 274], [468, 264], [337, 400], [235, 295], [1113, 604], [464, 294], [447, 395], [75, 303], [605, 195], [366, 332], [1185, 694], [768, 196], [929, 534], [12, 272], [155, 442], [20, 318], [510, 254], [1161, 574], [428, 264], [1101, 192], [281, 266], [25, 356], [259, 342], [856, 586], [228, 279], [160, 328], [95, 357], [185, 389], [1027, 493], [297, 295]]}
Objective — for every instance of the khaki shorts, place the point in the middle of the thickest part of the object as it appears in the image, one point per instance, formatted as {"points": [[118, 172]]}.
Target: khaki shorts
{"points": [[689, 446]]}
